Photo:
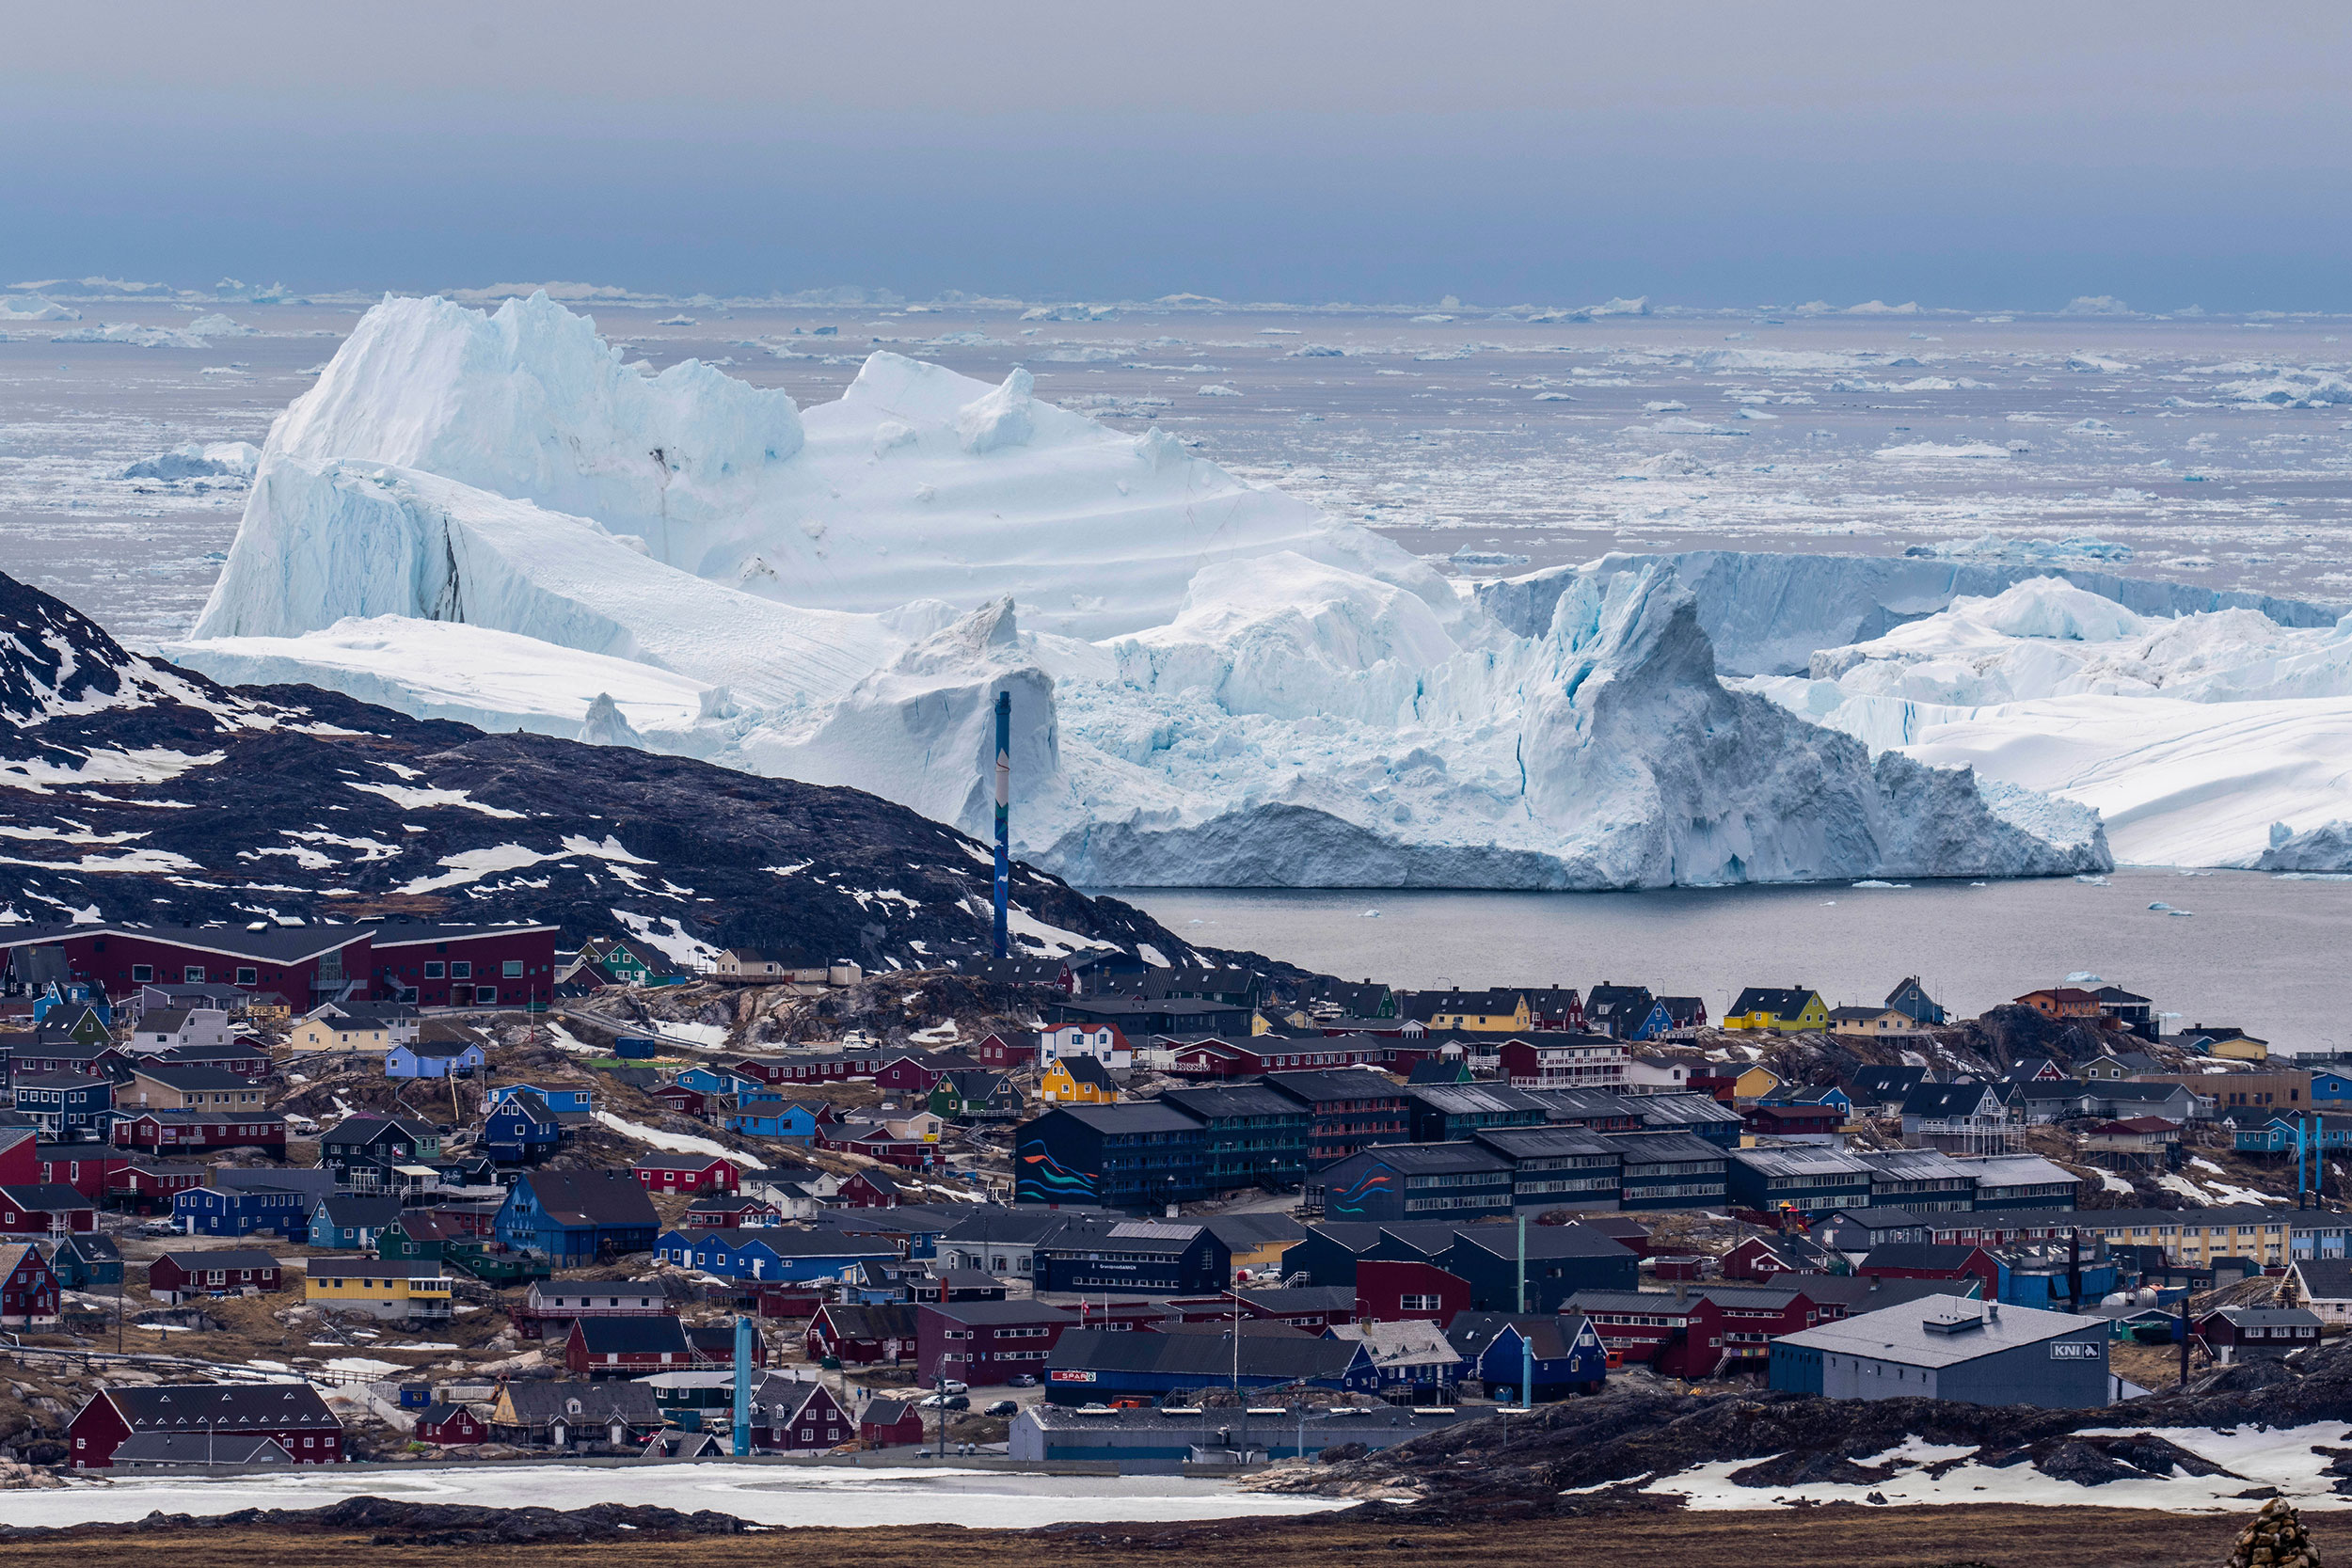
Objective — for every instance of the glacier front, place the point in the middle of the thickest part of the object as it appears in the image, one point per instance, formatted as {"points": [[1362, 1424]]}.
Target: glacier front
{"points": [[492, 517]]}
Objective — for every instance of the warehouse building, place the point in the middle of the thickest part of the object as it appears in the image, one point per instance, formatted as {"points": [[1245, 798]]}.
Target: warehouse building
{"points": [[1163, 1441], [1952, 1347]]}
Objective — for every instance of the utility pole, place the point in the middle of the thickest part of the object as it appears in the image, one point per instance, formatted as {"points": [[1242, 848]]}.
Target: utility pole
{"points": [[1004, 820], [1526, 1342], [939, 1386]]}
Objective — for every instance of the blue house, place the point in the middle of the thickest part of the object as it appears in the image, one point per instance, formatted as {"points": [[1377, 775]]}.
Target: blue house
{"points": [[574, 1218], [88, 1262], [2331, 1089], [351, 1222], [770, 1253], [733, 1086], [773, 1118], [2279, 1135], [67, 1107], [563, 1102], [520, 1129], [1569, 1357], [1830, 1095], [245, 1211], [433, 1059], [63, 1003]]}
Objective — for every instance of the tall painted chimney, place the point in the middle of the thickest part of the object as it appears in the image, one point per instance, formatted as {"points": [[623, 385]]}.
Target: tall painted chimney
{"points": [[1003, 816]]}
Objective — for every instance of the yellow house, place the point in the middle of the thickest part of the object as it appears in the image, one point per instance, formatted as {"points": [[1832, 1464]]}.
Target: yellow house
{"points": [[1078, 1081], [1754, 1083], [2242, 1048], [398, 1288], [1792, 1011], [354, 1027], [1488, 1012]]}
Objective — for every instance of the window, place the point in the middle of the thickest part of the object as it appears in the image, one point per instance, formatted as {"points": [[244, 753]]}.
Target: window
{"points": [[432, 970], [512, 969], [248, 976], [459, 969], [193, 974], [142, 974], [484, 995]]}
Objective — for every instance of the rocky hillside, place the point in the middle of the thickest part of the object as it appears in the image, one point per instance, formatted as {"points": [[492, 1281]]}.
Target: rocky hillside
{"points": [[131, 789]]}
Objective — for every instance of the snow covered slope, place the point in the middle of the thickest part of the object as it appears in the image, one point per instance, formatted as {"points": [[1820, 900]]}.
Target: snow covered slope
{"points": [[2190, 736], [1212, 683]]}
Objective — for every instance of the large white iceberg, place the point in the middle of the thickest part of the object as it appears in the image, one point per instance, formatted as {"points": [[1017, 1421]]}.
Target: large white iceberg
{"points": [[493, 515], [2190, 735]]}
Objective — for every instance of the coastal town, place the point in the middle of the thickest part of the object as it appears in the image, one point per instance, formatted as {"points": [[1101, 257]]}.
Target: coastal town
{"points": [[394, 1192]]}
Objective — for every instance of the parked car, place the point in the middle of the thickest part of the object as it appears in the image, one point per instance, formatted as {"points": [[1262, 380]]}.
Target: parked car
{"points": [[943, 1401], [949, 1386], [1004, 1407], [1022, 1380], [161, 1228]]}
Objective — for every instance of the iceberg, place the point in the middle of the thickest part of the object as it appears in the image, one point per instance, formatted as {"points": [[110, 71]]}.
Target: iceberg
{"points": [[494, 516], [2196, 737]]}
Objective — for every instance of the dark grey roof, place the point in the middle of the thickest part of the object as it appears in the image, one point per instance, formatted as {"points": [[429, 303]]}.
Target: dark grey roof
{"points": [[990, 1312], [1461, 1156], [220, 1406], [1899, 1332], [197, 1449], [1217, 1102], [1543, 1240], [1340, 1084], [2267, 1317], [226, 1257], [1260, 1355], [367, 1210], [1545, 1143], [190, 1078], [538, 1403], [1664, 1111], [1137, 1117], [1944, 1101], [1459, 1099], [641, 1335], [1654, 1148], [1917, 1255], [46, 1196], [2325, 1279], [337, 1266], [585, 1198]]}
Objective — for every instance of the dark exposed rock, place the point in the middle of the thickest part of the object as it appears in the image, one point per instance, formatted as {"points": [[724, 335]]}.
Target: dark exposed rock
{"points": [[320, 808], [409, 1524]]}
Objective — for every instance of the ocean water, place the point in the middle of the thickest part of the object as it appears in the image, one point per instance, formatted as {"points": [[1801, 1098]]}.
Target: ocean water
{"points": [[1509, 442], [2267, 953]]}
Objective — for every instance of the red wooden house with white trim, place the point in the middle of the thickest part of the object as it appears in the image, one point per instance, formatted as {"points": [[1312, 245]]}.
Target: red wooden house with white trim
{"points": [[686, 1173]]}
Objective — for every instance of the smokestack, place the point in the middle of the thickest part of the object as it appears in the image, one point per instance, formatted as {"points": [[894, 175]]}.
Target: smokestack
{"points": [[1004, 817]]}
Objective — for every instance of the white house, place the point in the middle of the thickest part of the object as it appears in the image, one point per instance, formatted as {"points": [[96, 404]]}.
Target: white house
{"points": [[169, 1028], [1102, 1041]]}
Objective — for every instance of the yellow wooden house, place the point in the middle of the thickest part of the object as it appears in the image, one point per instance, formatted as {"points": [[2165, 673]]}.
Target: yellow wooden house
{"points": [[1793, 1011], [391, 1288], [1484, 1012], [1755, 1082], [1078, 1081]]}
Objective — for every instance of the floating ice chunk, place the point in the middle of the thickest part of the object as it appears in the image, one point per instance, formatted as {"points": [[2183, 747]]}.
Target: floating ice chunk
{"points": [[1218, 389], [32, 308]]}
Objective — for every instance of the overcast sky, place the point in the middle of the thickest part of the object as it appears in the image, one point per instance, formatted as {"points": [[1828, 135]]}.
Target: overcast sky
{"points": [[1986, 156]]}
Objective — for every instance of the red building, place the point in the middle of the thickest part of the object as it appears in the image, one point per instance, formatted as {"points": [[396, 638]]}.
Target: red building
{"points": [[986, 1343], [627, 1347], [147, 1185], [831, 1067], [1566, 1062], [193, 1132], [910, 1075], [1824, 1122], [890, 1423], [1929, 1260], [464, 966], [46, 1210], [861, 1336], [686, 1173], [1214, 1058], [291, 1413], [20, 1162], [1401, 1291], [686, 1102], [1699, 1331], [28, 1287], [788, 1415], [449, 1426], [997, 1051], [224, 1272], [430, 965]]}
